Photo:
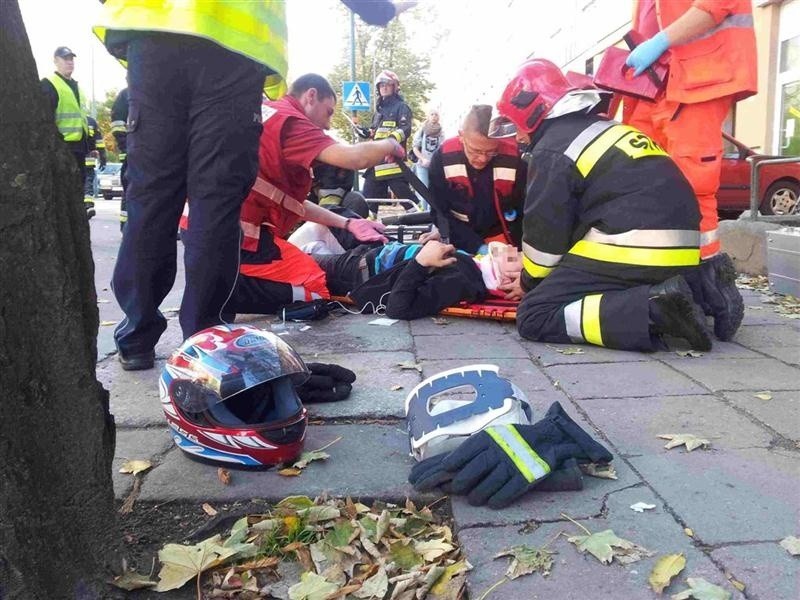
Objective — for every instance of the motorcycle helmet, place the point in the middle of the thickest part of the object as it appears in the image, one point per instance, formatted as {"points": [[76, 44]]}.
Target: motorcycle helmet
{"points": [[228, 394], [445, 409]]}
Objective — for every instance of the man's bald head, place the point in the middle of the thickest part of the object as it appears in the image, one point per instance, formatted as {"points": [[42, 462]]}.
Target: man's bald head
{"points": [[479, 148]]}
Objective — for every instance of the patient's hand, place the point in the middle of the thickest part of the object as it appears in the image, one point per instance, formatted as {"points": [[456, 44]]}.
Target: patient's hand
{"points": [[436, 254], [513, 290]]}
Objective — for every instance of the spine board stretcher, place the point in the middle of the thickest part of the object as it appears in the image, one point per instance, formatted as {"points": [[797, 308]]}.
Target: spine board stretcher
{"points": [[490, 310]]}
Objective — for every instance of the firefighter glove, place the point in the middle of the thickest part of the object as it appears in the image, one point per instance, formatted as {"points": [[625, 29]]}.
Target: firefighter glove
{"points": [[499, 464], [327, 383], [648, 52]]}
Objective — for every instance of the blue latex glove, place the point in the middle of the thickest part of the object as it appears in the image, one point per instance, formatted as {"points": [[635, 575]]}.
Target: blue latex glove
{"points": [[483, 250], [648, 52]]}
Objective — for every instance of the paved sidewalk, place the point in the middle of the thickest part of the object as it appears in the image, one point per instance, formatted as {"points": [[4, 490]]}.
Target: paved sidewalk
{"points": [[740, 497]]}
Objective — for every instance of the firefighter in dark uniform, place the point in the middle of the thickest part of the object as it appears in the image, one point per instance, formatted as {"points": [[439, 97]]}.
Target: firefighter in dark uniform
{"points": [[393, 119], [480, 182], [95, 157], [610, 225], [68, 103], [119, 129]]}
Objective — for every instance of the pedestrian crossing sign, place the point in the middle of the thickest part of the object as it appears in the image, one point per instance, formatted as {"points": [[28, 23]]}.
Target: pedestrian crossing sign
{"points": [[355, 95]]}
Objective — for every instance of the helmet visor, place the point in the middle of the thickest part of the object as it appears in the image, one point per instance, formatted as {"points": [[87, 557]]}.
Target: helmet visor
{"points": [[502, 127]]}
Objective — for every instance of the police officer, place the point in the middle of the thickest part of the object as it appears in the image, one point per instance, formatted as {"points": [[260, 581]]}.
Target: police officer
{"points": [[610, 223], [393, 119], [68, 104], [195, 78], [95, 157], [119, 129], [480, 183]]}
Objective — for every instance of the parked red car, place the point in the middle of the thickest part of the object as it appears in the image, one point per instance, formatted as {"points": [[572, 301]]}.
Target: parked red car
{"points": [[778, 189]]}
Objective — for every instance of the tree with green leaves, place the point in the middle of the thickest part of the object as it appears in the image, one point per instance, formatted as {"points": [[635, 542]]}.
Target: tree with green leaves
{"points": [[104, 122], [377, 49]]}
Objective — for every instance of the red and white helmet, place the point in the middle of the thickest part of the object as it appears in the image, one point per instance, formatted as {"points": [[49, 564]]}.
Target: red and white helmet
{"points": [[228, 394], [387, 76], [529, 96]]}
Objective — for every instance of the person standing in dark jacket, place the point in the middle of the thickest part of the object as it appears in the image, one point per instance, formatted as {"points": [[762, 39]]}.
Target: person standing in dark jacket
{"points": [[119, 129], [68, 104], [479, 182], [611, 225], [393, 119], [96, 156]]}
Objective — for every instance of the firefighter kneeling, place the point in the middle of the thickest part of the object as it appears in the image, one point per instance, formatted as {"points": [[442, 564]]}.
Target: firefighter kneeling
{"points": [[611, 226]]}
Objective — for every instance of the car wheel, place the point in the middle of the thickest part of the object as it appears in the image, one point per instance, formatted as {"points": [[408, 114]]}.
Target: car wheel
{"points": [[781, 198]]}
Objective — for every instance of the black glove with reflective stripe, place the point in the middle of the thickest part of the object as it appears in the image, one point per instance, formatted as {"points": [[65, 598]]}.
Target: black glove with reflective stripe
{"points": [[327, 383], [497, 465]]}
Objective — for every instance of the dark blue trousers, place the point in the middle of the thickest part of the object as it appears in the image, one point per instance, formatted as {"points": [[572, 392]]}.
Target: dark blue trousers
{"points": [[193, 130]]}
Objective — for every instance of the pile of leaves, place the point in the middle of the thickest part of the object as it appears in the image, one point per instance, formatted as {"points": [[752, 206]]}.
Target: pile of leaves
{"points": [[784, 305], [342, 548]]}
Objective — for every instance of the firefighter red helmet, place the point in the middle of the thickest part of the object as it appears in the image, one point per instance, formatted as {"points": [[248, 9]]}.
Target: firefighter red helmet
{"points": [[534, 90]]}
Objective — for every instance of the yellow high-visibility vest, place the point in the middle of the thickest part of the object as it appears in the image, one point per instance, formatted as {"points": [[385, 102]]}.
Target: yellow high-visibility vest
{"points": [[253, 28], [70, 114]]}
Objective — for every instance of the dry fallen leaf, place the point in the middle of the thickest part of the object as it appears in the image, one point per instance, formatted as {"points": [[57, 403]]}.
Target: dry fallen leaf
{"points": [[135, 466], [601, 470], [664, 570], [224, 476], [180, 563], [605, 546], [763, 395], [410, 365], [688, 531], [566, 351], [679, 439], [440, 321], [209, 510], [642, 506], [396, 388], [791, 544], [107, 323], [527, 560], [689, 353], [130, 580], [290, 472], [700, 589]]}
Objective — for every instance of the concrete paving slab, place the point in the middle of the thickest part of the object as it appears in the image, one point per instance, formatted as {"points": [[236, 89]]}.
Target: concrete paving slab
{"points": [[767, 570], [370, 461], [758, 313], [789, 355], [740, 373], [574, 574], [614, 380], [720, 350], [645, 419], [782, 412], [468, 346], [340, 334], [372, 396], [728, 495], [785, 334], [552, 354], [459, 326], [137, 444], [133, 395]]}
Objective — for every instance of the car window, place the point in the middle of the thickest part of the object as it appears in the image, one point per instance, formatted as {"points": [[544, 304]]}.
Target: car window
{"points": [[729, 149]]}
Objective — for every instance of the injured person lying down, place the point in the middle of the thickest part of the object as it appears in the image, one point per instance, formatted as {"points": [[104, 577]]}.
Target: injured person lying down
{"points": [[408, 281]]}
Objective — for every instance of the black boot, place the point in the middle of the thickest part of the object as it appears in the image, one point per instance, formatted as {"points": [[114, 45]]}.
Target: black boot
{"points": [[718, 279], [673, 312]]}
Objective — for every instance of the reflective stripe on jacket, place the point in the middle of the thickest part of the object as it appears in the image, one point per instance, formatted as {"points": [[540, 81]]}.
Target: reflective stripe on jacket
{"points": [[253, 28], [70, 114], [719, 63]]}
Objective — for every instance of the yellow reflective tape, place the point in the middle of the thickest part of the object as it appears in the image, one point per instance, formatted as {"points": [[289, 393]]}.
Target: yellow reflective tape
{"points": [[591, 319], [594, 151], [534, 270], [637, 145], [527, 461], [646, 257]]}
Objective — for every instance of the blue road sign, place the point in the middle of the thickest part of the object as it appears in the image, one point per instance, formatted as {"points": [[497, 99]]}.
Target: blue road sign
{"points": [[355, 95]]}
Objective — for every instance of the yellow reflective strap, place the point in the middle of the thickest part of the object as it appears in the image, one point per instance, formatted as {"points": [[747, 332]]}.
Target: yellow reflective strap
{"points": [[646, 257], [594, 151], [525, 458], [534, 270], [591, 319]]}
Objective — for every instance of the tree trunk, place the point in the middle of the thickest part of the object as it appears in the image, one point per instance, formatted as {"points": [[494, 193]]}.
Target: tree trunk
{"points": [[56, 433]]}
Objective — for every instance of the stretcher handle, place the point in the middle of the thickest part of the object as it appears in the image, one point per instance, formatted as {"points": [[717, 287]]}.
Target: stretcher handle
{"points": [[442, 223]]}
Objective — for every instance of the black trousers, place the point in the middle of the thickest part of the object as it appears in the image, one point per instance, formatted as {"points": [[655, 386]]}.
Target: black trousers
{"points": [[193, 130]]}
